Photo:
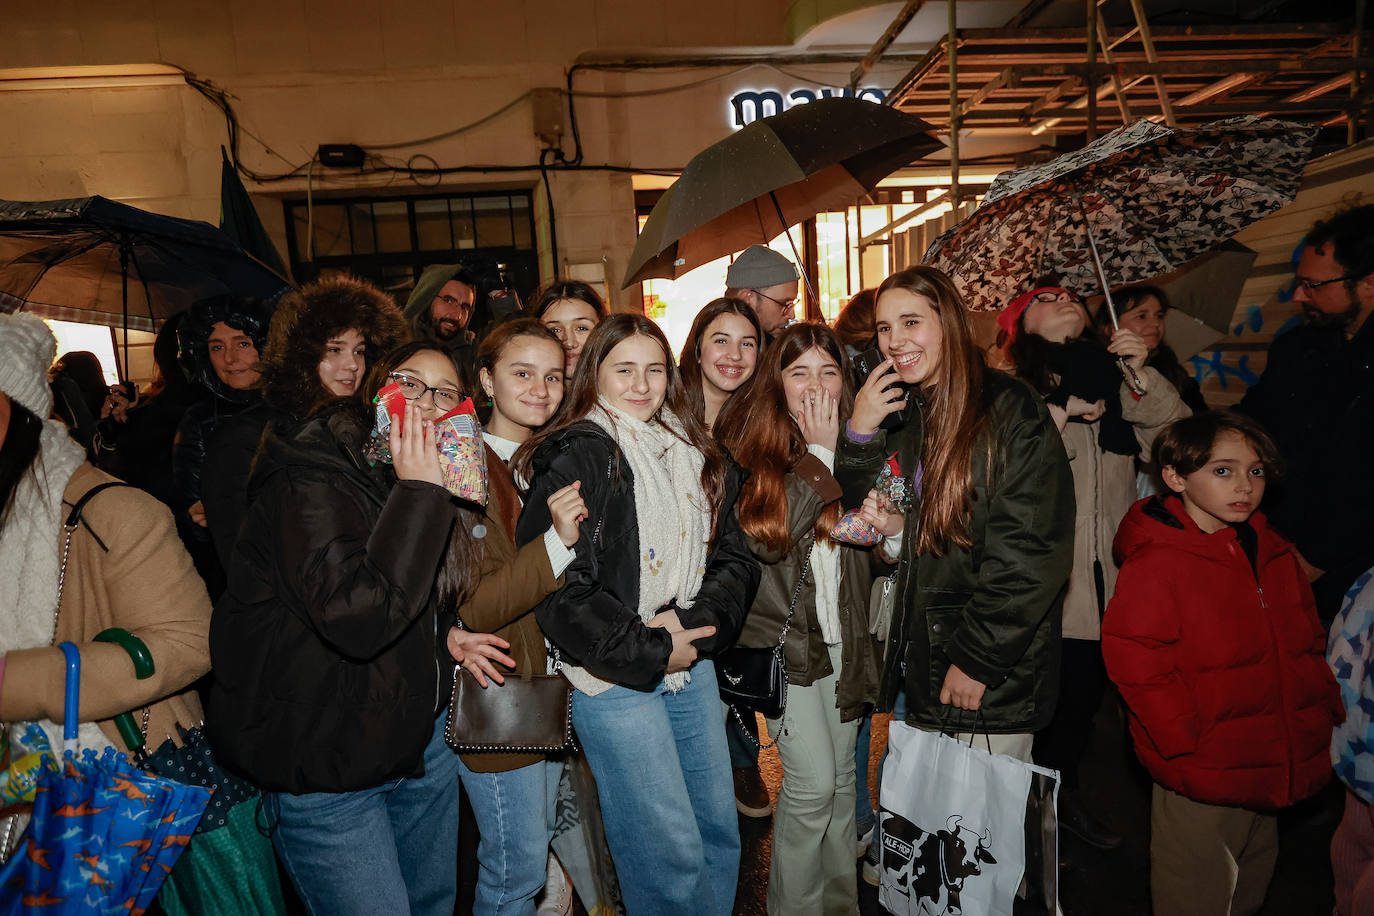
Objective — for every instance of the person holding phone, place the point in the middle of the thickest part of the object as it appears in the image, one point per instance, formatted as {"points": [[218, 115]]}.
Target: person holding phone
{"points": [[661, 582], [987, 544], [326, 647]]}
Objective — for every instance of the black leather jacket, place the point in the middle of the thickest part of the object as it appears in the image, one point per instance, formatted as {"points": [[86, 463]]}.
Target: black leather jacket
{"points": [[324, 644], [593, 617]]}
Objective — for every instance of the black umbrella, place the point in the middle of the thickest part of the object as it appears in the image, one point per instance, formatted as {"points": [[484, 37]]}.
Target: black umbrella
{"points": [[100, 261], [777, 171], [238, 218]]}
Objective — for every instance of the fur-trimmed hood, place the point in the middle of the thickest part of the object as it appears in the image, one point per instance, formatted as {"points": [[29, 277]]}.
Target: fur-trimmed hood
{"points": [[304, 323]]}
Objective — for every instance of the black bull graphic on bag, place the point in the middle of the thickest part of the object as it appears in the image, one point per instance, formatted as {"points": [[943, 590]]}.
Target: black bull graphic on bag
{"points": [[930, 868]]}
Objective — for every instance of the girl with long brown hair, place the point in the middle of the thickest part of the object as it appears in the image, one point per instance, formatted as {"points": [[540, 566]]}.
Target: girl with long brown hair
{"points": [[661, 581], [720, 355], [783, 429], [987, 544]]}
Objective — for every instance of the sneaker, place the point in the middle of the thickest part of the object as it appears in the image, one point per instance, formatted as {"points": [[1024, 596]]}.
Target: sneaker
{"points": [[865, 841], [1082, 823], [557, 899], [751, 795]]}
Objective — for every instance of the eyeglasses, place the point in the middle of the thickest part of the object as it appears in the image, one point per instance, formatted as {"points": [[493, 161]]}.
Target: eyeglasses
{"points": [[412, 389], [785, 303], [1310, 285]]}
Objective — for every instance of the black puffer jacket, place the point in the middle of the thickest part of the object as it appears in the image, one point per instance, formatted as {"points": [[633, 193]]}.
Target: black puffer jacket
{"points": [[323, 646], [993, 610], [592, 618]]}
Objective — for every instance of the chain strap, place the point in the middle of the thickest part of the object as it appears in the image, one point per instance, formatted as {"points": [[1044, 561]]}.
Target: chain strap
{"points": [[780, 650]]}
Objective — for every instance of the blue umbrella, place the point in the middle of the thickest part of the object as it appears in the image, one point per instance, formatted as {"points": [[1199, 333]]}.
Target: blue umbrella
{"points": [[103, 835]]}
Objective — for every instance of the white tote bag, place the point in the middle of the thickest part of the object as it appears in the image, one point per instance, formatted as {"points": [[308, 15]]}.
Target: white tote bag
{"points": [[953, 826]]}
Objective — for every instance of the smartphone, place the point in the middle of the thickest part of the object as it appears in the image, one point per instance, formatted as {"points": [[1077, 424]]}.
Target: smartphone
{"points": [[864, 365], [128, 390]]}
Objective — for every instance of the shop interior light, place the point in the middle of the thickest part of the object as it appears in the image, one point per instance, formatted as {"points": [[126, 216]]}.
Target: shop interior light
{"points": [[107, 76]]}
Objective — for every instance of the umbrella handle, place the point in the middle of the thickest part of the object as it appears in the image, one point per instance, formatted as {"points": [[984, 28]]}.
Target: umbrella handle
{"points": [[72, 699], [1132, 377], [143, 668]]}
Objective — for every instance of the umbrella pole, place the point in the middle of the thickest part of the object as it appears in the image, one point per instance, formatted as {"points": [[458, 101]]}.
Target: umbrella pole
{"points": [[1132, 378], [801, 267], [124, 301]]}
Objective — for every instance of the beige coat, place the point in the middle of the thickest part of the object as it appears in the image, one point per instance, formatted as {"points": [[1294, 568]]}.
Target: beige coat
{"points": [[146, 584], [1104, 488]]}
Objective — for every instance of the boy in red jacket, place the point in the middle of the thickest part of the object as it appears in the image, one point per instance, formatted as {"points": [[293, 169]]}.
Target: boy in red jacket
{"points": [[1213, 640]]}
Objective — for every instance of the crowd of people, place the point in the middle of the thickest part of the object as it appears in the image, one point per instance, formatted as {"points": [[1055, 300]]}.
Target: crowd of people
{"points": [[309, 574]]}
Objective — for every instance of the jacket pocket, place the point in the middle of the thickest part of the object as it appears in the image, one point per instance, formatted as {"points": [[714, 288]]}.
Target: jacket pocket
{"points": [[942, 618]]}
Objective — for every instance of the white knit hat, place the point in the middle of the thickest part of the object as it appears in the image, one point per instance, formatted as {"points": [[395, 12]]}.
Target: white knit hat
{"points": [[27, 349]]}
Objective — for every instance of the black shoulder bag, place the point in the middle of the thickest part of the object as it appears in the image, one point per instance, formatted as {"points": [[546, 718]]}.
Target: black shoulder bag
{"points": [[755, 680]]}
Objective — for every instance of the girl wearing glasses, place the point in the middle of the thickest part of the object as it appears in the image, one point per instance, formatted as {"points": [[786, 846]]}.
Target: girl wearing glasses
{"points": [[662, 576], [521, 370], [329, 689], [1105, 428], [784, 429]]}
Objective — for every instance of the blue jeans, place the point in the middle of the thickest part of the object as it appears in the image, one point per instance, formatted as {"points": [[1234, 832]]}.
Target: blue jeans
{"points": [[390, 849], [667, 796], [864, 818], [514, 812]]}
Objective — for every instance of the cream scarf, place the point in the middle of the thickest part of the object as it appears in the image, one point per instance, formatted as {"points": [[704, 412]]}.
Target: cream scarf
{"points": [[30, 558], [673, 517]]}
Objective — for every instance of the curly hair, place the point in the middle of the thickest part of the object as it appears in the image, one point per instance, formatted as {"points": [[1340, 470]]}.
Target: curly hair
{"points": [[304, 324]]}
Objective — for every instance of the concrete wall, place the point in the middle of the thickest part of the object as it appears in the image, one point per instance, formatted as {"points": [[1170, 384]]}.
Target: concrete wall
{"points": [[305, 72]]}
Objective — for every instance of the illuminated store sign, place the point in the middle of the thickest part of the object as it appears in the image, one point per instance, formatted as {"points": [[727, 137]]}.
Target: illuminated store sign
{"points": [[751, 104]]}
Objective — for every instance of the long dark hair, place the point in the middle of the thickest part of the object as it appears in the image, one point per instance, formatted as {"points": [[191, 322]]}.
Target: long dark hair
{"points": [[1031, 354], [955, 416], [459, 572], [581, 395], [762, 436], [689, 362], [83, 367], [23, 437]]}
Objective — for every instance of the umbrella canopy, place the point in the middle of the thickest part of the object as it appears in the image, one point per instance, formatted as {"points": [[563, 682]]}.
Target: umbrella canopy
{"points": [[238, 218], [1152, 197], [774, 173], [1203, 295], [103, 837], [99, 261]]}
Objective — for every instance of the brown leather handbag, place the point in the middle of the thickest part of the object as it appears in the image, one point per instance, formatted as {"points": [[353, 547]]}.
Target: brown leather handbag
{"points": [[525, 714]]}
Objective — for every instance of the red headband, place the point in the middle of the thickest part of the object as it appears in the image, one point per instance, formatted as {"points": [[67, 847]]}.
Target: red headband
{"points": [[1009, 316]]}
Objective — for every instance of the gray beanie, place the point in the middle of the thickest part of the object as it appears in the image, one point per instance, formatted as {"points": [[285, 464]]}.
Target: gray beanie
{"points": [[27, 348], [759, 268]]}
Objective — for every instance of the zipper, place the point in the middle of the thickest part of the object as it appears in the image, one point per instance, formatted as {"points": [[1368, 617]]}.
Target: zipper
{"points": [[596, 534]]}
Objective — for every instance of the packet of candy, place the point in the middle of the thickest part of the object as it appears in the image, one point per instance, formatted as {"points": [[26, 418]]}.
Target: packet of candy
{"points": [[893, 496], [24, 753], [390, 406], [462, 453]]}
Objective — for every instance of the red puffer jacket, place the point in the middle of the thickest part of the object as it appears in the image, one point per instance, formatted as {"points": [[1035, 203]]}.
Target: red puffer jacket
{"points": [[1231, 701]]}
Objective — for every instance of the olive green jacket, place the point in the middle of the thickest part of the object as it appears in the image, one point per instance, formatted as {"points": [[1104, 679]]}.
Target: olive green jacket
{"points": [[994, 609]]}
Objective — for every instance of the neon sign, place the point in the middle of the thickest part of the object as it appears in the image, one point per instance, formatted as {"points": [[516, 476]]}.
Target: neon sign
{"points": [[751, 104]]}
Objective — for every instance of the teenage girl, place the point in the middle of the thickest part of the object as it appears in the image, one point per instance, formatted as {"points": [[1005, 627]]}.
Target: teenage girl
{"points": [[720, 355], [662, 576], [783, 430]]}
